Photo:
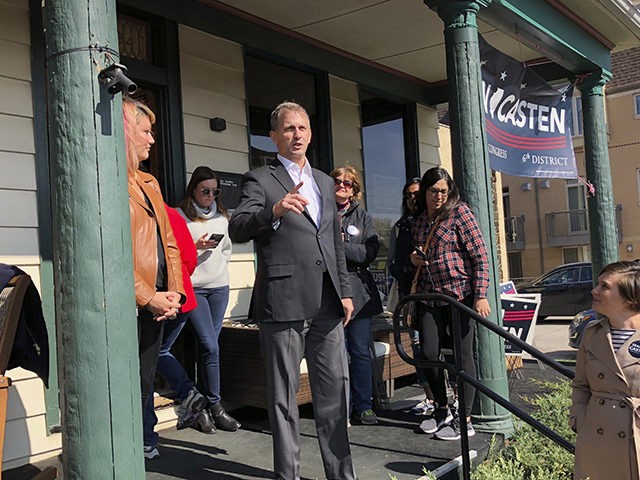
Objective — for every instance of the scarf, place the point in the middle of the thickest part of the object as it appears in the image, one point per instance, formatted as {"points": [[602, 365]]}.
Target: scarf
{"points": [[205, 213]]}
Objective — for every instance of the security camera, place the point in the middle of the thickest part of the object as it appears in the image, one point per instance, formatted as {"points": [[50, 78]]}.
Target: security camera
{"points": [[115, 79]]}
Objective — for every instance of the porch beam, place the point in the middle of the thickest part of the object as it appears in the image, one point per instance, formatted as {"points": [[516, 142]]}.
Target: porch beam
{"points": [[540, 26]]}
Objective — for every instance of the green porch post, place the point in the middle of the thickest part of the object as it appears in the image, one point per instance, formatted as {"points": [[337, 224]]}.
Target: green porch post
{"points": [[473, 176], [99, 377], [602, 215]]}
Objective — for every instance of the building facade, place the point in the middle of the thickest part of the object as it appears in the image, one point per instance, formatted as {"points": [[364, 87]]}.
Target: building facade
{"points": [[370, 74]]}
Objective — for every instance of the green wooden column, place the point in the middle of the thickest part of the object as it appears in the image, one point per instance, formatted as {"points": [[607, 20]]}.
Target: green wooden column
{"points": [[602, 215], [95, 305], [473, 176]]}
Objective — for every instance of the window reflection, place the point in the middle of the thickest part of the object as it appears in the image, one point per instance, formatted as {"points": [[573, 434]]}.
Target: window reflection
{"points": [[384, 167]]}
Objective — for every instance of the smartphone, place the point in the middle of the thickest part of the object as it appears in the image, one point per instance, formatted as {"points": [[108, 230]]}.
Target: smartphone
{"points": [[420, 253], [216, 237]]}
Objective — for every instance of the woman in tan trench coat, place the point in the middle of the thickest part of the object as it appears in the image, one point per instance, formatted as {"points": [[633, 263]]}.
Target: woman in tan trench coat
{"points": [[605, 411]]}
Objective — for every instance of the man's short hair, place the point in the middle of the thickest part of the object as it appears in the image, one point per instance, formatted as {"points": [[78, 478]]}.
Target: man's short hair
{"points": [[285, 106]]}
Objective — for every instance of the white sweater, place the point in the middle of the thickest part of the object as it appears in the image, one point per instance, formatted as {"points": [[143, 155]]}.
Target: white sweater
{"points": [[213, 263]]}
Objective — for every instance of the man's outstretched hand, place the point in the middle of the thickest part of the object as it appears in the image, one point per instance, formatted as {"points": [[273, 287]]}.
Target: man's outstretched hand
{"points": [[291, 202]]}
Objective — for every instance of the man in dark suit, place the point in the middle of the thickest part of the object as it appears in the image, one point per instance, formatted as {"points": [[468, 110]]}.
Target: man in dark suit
{"points": [[301, 295]]}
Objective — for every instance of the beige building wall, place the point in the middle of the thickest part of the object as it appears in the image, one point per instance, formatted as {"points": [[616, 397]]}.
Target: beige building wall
{"points": [[212, 73], [26, 437], [346, 123], [429, 139], [624, 155]]}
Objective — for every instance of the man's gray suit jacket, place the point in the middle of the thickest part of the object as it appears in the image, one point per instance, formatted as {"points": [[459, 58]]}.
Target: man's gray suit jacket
{"points": [[294, 253]]}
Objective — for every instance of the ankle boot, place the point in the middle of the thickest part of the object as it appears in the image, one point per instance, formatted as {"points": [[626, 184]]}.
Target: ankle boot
{"points": [[222, 419], [203, 423]]}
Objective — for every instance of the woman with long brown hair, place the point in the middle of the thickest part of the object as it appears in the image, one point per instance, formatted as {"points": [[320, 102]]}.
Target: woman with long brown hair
{"points": [[208, 223], [450, 252]]}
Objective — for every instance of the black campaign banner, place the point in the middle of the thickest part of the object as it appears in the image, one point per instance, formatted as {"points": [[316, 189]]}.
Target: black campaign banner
{"points": [[528, 122]]}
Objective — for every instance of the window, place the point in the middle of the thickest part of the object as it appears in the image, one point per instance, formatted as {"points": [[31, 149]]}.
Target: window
{"points": [[577, 116], [636, 102], [515, 265], [576, 254], [267, 85], [563, 276], [577, 203], [383, 150]]}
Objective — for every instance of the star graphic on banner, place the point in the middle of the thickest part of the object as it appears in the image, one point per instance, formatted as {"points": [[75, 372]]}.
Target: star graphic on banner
{"points": [[503, 75], [483, 63], [523, 86], [564, 97]]}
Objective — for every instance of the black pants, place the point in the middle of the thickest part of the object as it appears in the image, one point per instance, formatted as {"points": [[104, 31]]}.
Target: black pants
{"points": [[436, 332], [149, 343]]}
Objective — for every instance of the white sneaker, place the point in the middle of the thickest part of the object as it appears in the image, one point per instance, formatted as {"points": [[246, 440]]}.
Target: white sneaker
{"points": [[425, 407]]}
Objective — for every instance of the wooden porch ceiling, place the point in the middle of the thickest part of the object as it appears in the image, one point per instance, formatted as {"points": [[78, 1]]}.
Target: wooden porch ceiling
{"points": [[407, 37]]}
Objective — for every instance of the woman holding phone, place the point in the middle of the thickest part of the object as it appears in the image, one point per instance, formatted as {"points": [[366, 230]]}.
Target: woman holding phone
{"points": [[208, 222]]}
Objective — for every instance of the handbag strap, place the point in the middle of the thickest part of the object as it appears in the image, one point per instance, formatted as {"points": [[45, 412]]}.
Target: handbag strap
{"points": [[414, 282]]}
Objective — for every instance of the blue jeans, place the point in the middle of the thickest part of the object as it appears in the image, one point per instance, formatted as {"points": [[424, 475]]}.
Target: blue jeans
{"points": [[357, 338], [172, 371], [206, 321]]}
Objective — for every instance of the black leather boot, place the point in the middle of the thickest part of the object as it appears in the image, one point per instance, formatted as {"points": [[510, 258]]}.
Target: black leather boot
{"points": [[222, 419], [203, 423]]}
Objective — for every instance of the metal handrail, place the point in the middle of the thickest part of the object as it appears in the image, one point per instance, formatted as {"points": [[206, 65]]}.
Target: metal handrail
{"points": [[462, 376]]}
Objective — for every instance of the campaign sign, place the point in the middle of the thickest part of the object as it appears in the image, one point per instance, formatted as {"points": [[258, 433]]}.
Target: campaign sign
{"points": [[519, 316]]}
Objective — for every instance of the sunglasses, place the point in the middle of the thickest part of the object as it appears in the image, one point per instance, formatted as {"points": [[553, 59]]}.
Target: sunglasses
{"points": [[410, 195], [210, 191], [346, 183], [435, 191]]}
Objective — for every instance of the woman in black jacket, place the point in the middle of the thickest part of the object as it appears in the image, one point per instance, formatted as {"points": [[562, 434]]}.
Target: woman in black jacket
{"points": [[361, 247]]}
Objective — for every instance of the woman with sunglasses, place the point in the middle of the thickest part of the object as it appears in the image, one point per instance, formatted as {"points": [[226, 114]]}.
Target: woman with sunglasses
{"points": [[361, 247], [208, 222], [400, 247], [453, 261]]}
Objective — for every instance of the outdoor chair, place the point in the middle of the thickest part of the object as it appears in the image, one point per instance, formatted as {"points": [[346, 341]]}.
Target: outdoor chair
{"points": [[11, 298]]}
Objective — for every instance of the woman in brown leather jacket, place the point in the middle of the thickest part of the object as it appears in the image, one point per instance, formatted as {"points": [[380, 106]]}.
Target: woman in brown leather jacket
{"points": [[156, 258]]}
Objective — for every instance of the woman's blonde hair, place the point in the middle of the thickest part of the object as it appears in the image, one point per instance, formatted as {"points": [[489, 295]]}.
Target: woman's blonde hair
{"points": [[353, 175], [132, 111]]}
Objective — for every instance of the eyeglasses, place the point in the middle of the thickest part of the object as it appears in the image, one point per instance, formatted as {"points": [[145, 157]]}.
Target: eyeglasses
{"points": [[346, 183], [442, 191], [410, 195], [210, 191]]}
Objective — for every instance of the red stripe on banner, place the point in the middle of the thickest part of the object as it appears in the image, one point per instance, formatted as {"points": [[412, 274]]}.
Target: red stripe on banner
{"points": [[524, 142], [511, 316]]}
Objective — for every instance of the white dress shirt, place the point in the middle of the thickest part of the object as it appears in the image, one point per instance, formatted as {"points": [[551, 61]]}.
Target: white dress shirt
{"points": [[309, 189]]}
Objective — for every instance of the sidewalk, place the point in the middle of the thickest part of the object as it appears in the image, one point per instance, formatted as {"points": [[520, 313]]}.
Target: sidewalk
{"points": [[390, 448]]}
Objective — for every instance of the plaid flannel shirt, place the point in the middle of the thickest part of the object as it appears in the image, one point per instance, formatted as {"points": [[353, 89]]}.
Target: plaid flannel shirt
{"points": [[457, 256]]}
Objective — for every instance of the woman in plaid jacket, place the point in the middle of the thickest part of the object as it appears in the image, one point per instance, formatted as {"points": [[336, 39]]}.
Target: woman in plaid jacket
{"points": [[454, 263]]}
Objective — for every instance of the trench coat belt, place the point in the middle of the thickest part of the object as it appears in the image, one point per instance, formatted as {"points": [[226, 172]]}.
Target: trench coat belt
{"points": [[631, 402]]}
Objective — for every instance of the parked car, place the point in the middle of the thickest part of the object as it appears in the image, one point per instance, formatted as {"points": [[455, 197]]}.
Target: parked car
{"points": [[566, 290], [577, 326]]}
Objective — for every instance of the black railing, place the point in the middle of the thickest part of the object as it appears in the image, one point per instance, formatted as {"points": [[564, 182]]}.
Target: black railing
{"points": [[462, 376]]}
